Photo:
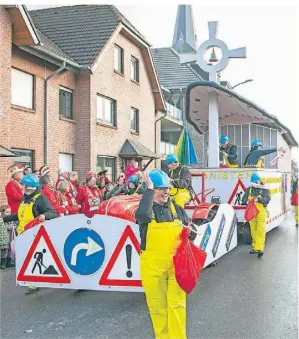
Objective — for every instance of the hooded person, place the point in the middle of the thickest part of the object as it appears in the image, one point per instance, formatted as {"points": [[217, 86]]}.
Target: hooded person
{"points": [[89, 196], [158, 219], [256, 155], [131, 169], [228, 153], [258, 192], [33, 206], [13, 189], [134, 186], [180, 177]]}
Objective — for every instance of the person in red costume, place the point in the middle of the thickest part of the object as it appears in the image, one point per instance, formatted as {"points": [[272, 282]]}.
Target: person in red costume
{"points": [[50, 192], [89, 196], [132, 169], [63, 175], [66, 198], [74, 180], [13, 189]]}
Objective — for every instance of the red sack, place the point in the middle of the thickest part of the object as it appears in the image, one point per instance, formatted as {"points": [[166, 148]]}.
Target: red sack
{"points": [[251, 211], [188, 262]]}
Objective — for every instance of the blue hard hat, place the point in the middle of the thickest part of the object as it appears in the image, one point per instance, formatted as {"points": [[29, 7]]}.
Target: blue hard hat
{"points": [[256, 143], [255, 177], [30, 180], [160, 179], [223, 139], [171, 158], [133, 179]]}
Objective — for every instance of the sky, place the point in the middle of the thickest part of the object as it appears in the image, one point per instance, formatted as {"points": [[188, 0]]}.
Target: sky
{"points": [[269, 33]]}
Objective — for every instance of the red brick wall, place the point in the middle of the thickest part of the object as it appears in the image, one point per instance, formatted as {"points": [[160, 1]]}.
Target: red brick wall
{"points": [[5, 79], [108, 141], [25, 128]]}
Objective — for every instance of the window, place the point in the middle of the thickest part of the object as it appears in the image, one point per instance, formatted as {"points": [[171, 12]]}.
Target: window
{"points": [[134, 69], [118, 59], [25, 157], [106, 110], [66, 161], [22, 89], [109, 163], [134, 120], [66, 102]]}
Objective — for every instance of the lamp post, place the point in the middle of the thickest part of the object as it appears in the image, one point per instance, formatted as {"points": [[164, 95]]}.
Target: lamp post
{"points": [[243, 82]]}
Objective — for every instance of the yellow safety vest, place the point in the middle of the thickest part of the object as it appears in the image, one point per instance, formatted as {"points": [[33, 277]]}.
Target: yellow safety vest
{"points": [[259, 164], [25, 213], [227, 161], [258, 205]]}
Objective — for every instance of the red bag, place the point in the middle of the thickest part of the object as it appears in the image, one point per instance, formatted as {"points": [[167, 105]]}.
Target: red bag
{"points": [[251, 211], [295, 199], [188, 262]]}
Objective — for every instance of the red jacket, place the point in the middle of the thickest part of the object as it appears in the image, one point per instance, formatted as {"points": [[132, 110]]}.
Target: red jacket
{"points": [[69, 204], [53, 198], [130, 170], [84, 196], [14, 195]]}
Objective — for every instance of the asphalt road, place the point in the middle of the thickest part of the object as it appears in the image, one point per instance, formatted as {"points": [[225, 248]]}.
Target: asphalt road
{"points": [[242, 297]]}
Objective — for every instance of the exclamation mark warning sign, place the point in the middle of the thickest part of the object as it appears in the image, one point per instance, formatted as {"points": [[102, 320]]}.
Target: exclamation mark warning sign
{"points": [[123, 268], [129, 260]]}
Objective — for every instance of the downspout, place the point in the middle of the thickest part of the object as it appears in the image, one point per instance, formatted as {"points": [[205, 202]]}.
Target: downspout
{"points": [[163, 116], [46, 115]]}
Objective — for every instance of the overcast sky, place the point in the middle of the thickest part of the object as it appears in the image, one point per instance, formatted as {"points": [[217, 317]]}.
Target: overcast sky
{"points": [[268, 33]]}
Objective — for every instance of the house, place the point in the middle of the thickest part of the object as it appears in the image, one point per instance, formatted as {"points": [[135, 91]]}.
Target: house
{"points": [[80, 90], [240, 119]]}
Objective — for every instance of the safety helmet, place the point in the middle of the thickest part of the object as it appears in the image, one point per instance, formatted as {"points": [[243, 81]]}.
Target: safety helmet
{"points": [[133, 179], [30, 180], [255, 177], [256, 143], [223, 139], [171, 158], [160, 179]]}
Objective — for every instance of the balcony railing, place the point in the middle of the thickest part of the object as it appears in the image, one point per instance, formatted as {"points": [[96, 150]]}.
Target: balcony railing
{"points": [[166, 148], [174, 112]]}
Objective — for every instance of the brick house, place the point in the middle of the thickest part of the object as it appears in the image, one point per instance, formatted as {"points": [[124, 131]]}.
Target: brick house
{"points": [[78, 90]]}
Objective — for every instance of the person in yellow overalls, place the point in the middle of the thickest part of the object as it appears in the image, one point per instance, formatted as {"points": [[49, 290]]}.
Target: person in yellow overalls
{"points": [[180, 177], [33, 205], [256, 155], [157, 217], [228, 153], [261, 197]]}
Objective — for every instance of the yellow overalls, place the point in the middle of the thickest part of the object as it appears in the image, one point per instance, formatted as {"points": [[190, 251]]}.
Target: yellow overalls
{"points": [[25, 213], [181, 196], [166, 301], [296, 214], [227, 163], [259, 164], [258, 225]]}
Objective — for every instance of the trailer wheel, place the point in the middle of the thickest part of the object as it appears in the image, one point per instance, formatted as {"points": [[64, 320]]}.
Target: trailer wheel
{"points": [[247, 236]]}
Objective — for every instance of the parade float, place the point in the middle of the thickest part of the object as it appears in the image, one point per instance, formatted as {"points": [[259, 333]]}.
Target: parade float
{"points": [[102, 252]]}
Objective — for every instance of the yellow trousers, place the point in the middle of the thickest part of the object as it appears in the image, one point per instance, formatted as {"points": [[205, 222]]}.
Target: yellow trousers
{"points": [[181, 196], [296, 214], [166, 301], [258, 228]]}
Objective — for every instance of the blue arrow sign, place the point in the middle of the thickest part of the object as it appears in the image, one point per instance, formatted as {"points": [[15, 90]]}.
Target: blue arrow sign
{"points": [[84, 251]]}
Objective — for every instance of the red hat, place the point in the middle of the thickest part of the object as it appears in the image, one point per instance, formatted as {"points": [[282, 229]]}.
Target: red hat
{"points": [[89, 175]]}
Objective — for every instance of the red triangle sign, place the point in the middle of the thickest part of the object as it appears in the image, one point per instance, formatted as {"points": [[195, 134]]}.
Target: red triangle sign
{"points": [[117, 271], [42, 263], [236, 197]]}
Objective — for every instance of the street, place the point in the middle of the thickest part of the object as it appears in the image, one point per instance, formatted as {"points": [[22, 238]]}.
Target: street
{"points": [[242, 297]]}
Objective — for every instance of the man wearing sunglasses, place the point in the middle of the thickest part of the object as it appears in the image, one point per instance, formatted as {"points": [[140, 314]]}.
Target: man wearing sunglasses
{"points": [[160, 227]]}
